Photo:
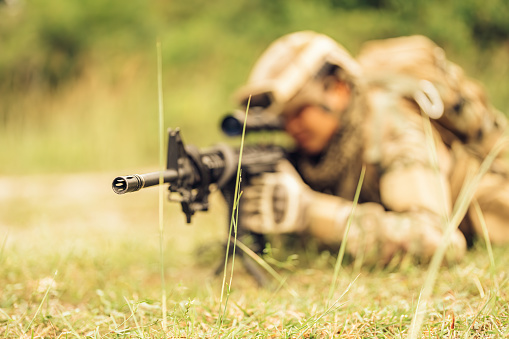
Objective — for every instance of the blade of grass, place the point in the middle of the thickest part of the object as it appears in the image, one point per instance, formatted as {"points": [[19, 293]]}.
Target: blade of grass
{"points": [[466, 334], [161, 181], [5, 314], [342, 248], [233, 226], [312, 322], [460, 208], [433, 157], [3, 246], [16, 325], [264, 265], [41, 303], [480, 215], [449, 224], [134, 317], [73, 331]]}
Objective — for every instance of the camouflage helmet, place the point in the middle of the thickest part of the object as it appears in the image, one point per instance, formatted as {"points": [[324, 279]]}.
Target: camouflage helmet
{"points": [[294, 66]]}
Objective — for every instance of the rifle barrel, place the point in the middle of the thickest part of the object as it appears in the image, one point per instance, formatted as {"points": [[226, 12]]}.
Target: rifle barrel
{"points": [[135, 182]]}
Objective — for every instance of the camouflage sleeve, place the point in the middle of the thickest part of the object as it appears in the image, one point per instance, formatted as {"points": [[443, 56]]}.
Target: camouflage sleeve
{"points": [[379, 235], [413, 166], [414, 194]]}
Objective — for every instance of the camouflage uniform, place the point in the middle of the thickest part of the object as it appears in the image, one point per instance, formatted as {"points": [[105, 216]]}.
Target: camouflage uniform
{"points": [[404, 199], [406, 196], [469, 127]]}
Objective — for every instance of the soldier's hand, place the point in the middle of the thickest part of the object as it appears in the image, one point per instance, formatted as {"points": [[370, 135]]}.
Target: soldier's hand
{"points": [[276, 202]]}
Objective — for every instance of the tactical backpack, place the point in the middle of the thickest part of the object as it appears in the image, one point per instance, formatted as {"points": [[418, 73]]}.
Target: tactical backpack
{"points": [[419, 69]]}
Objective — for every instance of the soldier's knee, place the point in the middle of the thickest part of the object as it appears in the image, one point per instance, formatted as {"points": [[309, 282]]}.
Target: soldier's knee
{"points": [[457, 248], [495, 221], [493, 198], [429, 240]]}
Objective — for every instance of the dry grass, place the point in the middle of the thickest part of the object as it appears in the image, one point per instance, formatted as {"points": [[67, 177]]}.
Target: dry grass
{"points": [[106, 251]]}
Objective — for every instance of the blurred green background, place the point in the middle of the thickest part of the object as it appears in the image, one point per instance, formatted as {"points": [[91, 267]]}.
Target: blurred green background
{"points": [[78, 80]]}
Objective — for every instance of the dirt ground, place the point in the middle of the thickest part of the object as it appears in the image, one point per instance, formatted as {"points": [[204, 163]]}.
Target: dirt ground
{"points": [[83, 206]]}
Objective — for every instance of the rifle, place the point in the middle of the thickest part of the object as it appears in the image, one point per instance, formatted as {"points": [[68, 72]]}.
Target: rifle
{"points": [[191, 172]]}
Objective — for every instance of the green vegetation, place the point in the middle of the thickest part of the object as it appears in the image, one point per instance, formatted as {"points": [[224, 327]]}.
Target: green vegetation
{"points": [[78, 83], [107, 263], [78, 93]]}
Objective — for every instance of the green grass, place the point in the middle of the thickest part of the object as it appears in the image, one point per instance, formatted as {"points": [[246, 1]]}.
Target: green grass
{"points": [[106, 251], [102, 116]]}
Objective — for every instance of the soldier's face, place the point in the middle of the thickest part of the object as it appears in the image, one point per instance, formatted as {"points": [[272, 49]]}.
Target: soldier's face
{"points": [[312, 128]]}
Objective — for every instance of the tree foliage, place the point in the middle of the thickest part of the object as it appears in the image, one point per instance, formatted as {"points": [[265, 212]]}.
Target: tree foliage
{"points": [[48, 42], [75, 76]]}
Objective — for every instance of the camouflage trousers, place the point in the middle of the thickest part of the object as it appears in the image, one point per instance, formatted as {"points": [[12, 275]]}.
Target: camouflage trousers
{"points": [[489, 208], [380, 235]]}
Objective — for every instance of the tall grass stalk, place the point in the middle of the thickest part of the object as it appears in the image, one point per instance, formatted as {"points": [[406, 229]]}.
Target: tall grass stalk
{"points": [[433, 157], [69, 325], [138, 328], [265, 266], [333, 307], [480, 215], [342, 248], [460, 208], [41, 303], [2, 249], [466, 334], [233, 226], [16, 324], [161, 181]]}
